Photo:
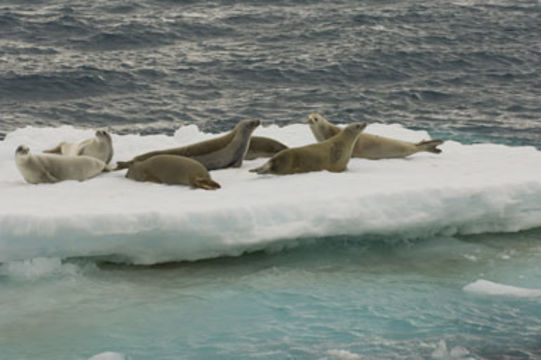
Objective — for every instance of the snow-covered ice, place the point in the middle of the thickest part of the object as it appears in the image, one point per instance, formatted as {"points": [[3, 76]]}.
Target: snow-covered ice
{"points": [[465, 190]]}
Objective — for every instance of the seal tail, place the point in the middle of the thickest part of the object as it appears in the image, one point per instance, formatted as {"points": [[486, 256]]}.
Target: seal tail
{"points": [[123, 165], [205, 183], [263, 169], [430, 146]]}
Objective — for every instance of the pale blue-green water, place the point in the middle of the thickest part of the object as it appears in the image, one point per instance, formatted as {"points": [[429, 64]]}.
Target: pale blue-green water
{"points": [[372, 299]]}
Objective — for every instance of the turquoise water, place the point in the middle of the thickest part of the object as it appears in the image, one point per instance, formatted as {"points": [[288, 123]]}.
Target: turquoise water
{"points": [[339, 297]]}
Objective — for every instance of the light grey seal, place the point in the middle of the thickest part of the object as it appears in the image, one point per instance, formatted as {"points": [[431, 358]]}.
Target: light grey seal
{"points": [[99, 147], [52, 168], [331, 155], [370, 146], [219, 153], [172, 170]]}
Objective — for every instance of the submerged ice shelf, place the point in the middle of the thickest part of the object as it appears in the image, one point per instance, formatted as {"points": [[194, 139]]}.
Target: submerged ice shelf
{"points": [[465, 190]]}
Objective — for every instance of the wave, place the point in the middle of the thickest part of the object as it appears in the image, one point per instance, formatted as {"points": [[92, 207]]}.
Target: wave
{"points": [[464, 190], [123, 38], [81, 82]]}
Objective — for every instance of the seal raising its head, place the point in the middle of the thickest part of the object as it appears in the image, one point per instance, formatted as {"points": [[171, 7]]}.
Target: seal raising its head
{"points": [[331, 155], [219, 153], [370, 146], [99, 147]]}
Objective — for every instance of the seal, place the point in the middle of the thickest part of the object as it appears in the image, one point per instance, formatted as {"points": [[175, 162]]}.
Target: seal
{"points": [[219, 153], [52, 168], [172, 170], [370, 146], [263, 147], [332, 155], [99, 147]]}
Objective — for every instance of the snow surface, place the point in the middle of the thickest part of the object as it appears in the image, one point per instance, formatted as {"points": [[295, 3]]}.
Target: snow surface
{"points": [[486, 287], [465, 190]]}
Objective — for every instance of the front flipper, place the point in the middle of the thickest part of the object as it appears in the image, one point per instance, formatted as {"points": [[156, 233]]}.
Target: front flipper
{"points": [[263, 169], [47, 177]]}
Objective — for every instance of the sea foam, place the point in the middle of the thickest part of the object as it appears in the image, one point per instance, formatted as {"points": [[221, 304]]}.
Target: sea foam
{"points": [[467, 189]]}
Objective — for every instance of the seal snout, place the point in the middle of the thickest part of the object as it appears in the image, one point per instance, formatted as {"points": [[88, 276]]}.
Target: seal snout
{"points": [[22, 150], [361, 126], [313, 118], [102, 133]]}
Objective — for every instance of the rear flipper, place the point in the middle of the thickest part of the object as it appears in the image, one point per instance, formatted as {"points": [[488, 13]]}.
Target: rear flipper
{"points": [[263, 169], [430, 146], [55, 150], [205, 183], [123, 165]]}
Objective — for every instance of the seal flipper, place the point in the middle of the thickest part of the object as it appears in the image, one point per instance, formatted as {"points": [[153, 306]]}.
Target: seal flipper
{"points": [[263, 169], [205, 183], [55, 150], [47, 177], [123, 165], [430, 146]]}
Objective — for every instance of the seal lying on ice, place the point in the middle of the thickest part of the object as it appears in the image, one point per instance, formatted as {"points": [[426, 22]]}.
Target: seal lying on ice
{"points": [[331, 155], [172, 170], [52, 168], [370, 146]]}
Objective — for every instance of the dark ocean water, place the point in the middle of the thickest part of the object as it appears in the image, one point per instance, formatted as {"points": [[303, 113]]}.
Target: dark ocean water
{"points": [[465, 70]]}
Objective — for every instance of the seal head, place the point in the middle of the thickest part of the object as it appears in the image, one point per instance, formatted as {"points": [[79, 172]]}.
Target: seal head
{"points": [[22, 150]]}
